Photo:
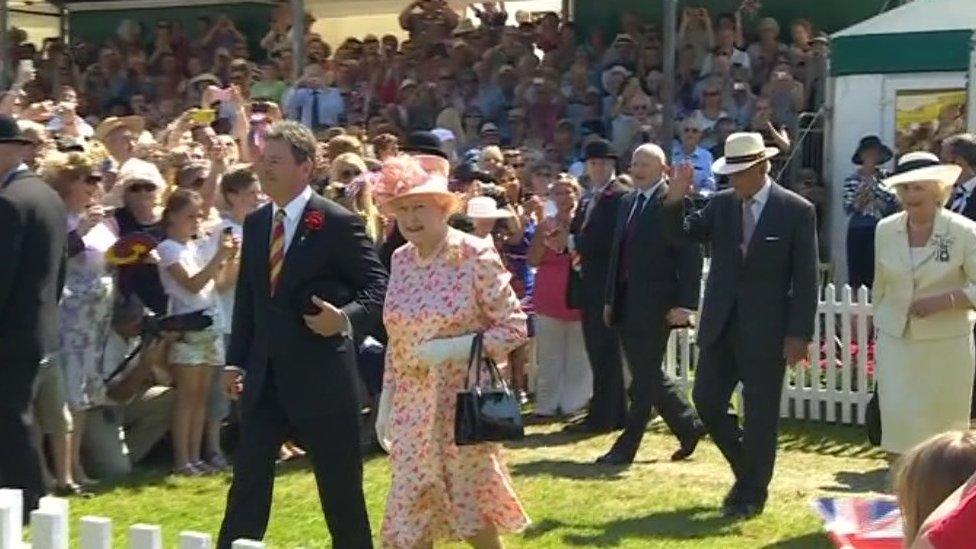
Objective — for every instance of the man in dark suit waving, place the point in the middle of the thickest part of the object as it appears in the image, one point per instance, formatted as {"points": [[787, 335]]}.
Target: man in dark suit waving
{"points": [[33, 228], [309, 278], [759, 309], [653, 284], [592, 230]]}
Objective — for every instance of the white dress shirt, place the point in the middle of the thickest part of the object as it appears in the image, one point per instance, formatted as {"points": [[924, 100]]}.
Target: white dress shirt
{"points": [[760, 198], [293, 215], [959, 202], [648, 193]]}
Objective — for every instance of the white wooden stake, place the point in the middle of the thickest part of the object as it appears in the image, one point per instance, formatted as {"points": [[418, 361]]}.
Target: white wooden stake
{"points": [[95, 533], [47, 530], [58, 506], [195, 540], [11, 518], [247, 544], [145, 536]]}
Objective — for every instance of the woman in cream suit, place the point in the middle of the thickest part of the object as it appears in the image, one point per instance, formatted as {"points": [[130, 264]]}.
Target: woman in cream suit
{"points": [[924, 291]]}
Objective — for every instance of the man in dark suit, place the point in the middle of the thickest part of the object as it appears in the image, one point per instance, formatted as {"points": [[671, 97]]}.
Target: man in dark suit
{"points": [[653, 284], [33, 228], [759, 309], [961, 151], [309, 277], [592, 231]]}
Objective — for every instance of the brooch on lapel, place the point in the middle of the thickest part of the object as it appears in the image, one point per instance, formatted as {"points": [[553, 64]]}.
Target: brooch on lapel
{"points": [[942, 244], [313, 221]]}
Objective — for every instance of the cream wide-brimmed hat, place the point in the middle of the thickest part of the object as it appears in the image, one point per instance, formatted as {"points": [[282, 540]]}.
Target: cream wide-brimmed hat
{"points": [[485, 207], [743, 150], [921, 166]]}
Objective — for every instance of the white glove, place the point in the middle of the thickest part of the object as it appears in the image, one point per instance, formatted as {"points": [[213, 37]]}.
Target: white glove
{"points": [[383, 412], [439, 351]]}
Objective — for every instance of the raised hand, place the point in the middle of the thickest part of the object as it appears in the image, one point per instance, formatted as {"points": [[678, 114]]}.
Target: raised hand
{"points": [[682, 181]]}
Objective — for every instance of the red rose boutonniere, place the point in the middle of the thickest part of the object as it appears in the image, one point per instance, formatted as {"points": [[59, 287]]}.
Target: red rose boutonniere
{"points": [[313, 221]]}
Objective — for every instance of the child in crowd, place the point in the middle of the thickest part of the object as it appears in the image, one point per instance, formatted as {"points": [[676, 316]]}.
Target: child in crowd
{"points": [[929, 473], [189, 276], [241, 191]]}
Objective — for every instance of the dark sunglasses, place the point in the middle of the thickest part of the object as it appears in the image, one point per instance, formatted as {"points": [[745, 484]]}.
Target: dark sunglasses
{"points": [[710, 93], [93, 179], [349, 174], [691, 130], [141, 188]]}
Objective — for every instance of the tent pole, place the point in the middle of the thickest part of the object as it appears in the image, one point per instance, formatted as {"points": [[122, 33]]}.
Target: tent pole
{"points": [[6, 71], [667, 88], [297, 37]]}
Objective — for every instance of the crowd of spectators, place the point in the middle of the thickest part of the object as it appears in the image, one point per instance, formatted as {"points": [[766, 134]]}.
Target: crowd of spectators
{"points": [[154, 132]]}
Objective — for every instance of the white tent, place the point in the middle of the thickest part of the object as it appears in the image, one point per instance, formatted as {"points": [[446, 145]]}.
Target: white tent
{"points": [[922, 50]]}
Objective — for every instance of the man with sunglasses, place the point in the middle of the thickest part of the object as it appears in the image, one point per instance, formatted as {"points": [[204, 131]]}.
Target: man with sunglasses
{"points": [[687, 148]]}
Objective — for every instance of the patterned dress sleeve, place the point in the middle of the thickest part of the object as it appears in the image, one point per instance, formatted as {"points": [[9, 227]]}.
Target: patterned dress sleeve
{"points": [[850, 191], [503, 320]]}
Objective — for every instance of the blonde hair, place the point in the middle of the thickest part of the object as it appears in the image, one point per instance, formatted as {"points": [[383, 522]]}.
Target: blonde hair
{"points": [[929, 473], [62, 170], [566, 180], [493, 151]]}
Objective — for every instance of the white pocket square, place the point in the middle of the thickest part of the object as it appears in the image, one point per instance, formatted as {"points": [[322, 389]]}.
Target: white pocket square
{"points": [[772, 239]]}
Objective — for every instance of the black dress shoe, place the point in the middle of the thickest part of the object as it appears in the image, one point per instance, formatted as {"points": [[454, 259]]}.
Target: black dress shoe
{"points": [[743, 510], [688, 446], [614, 458], [72, 490], [585, 428]]}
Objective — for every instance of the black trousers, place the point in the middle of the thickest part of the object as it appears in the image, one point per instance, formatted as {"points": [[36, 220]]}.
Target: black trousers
{"points": [[334, 449], [19, 465], [750, 450], [651, 387], [608, 407]]}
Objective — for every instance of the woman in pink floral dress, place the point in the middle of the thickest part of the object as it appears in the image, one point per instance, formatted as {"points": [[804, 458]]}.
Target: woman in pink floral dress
{"points": [[444, 287]]}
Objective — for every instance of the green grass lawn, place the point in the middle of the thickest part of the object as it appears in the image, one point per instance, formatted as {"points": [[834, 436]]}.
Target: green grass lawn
{"points": [[652, 504]]}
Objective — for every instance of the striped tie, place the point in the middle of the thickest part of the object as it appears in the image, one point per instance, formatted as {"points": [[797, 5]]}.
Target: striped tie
{"points": [[277, 256]]}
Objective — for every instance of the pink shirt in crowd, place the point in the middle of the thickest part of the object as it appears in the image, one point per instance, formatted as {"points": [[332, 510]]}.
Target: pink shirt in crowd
{"points": [[551, 280]]}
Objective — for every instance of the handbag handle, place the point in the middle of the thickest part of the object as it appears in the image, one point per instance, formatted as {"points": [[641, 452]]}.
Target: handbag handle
{"points": [[476, 359]]}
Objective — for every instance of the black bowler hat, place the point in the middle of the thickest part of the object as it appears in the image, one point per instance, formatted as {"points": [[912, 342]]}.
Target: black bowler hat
{"points": [[872, 142], [10, 132], [599, 148], [424, 143]]}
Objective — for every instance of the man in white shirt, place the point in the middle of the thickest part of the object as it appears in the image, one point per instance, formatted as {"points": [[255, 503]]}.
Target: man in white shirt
{"points": [[314, 101], [308, 276]]}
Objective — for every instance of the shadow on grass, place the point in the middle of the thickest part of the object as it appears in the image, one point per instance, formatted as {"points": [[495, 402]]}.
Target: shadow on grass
{"points": [[549, 439], [826, 439], [876, 480], [680, 524], [575, 470], [808, 541]]}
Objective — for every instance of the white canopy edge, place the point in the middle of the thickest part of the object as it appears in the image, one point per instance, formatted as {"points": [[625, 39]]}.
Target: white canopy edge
{"points": [[918, 16]]}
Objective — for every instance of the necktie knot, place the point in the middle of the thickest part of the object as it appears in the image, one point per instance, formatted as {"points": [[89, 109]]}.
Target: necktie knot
{"points": [[280, 216]]}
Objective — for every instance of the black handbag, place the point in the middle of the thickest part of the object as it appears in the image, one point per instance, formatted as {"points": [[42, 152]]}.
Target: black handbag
{"points": [[574, 290], [489, 414], [872, 418]]}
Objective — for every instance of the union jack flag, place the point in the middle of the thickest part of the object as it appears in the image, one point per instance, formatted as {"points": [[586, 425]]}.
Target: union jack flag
{"points": [[861, 523]]}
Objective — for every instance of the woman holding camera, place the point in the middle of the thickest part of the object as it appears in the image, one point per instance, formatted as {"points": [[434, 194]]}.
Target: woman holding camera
{"points": [[84, 317], [189, 273]]}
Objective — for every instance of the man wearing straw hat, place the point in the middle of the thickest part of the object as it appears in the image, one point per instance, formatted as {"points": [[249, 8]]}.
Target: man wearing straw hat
{"points": [[759, 308]]}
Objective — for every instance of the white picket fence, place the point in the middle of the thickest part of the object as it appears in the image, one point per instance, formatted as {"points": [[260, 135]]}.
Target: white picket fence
{"points": [[50, 529], [839, 390]]}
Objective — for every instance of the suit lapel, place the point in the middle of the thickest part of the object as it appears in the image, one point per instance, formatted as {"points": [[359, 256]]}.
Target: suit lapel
{"points": [[768, 220], [300, 242], [736, 204], [263, 253], [901, 244]]}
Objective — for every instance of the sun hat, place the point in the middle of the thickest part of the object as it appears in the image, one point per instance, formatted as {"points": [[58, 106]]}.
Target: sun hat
{"points": [[434, 186], [872, 142], [10, 132], [484, 207], [742, 151], [135, 124], [920, 166]]}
